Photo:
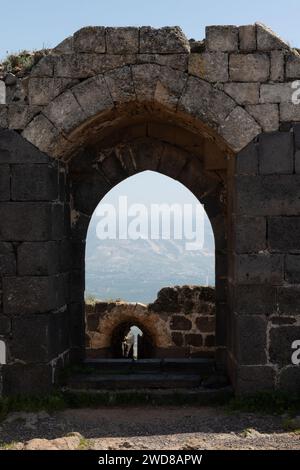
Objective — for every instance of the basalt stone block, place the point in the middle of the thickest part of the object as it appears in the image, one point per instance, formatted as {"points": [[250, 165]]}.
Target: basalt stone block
{"points": [[87, 193], [26, 295], [277, 66], [250, 234], [243, 93], [93, 97], [267, 116], [177, 339], [15, 149], [77, 325], [34, 182], [239, 128], [209, 341], [247, 38], [211, 66], [90, 39], [251, 299], [252, 379], [259, 268], [288, 300], [120, 84], [268, 195], [5, 325], [4, 182], [289, 379], [66, 111], [250, 339], [179, 322], [267, 40], [222, 38], [293, 66], [7, 259], [27, 379], [38, 259], [284, 233], [19, 115], [292, 269], [77, 285], [276, 153], [247, 160], [3, 116], [249, 67], [193, 339], [122, 40], [168, 40], [206, 324], [281, 340], [276, 93]]}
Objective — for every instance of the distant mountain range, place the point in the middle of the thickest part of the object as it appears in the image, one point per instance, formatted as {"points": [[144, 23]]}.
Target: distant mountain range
{"points": [[135, 270]]}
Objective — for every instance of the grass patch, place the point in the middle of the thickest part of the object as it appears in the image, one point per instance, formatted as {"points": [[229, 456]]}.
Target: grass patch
{"points": [[266, 402], [23, 61]]}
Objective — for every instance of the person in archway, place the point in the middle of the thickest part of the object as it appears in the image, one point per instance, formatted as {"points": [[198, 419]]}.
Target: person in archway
{"points": [[131, 341]]}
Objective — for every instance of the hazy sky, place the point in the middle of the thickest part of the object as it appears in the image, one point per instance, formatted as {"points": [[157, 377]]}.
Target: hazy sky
{"points": [[33, 24]]}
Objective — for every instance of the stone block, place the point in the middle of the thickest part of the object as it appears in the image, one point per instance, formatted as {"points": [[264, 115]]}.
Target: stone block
{"points": [[44, 67], [145, 78], [34, 182], [3, 116], [268, 195], [179, 322], [222, 38], [15, 149], [259, 268], [87, 194], [7, 259], [38, 259], [249, 67], [292, 68], [247, 160], [167, 40], [267, 40], [250, 234], [284, 234], [211, 66], [239, 128], [44, 135], [120, 84], [177, 339], [250, 299], [253, 379], [288, 301], [289, 112], [19, 115], [93, 96], [27, 380], [276, 153], [251, 339], [77, 325], [292, 269], [169, 87], [4, 182], [267, 116], [175, 61], [281, 340], [43, 90], [25, 221], [64, 47], [122, 40], [289, 379], [247, 38], [206, 324], [277, 66], [66, 111], [193, 339], [90, 39], [276, 93], [243, 93], [5, 325]]}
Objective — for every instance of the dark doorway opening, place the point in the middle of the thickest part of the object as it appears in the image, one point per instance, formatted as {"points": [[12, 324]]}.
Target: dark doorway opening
{"points": [[145, 342]]}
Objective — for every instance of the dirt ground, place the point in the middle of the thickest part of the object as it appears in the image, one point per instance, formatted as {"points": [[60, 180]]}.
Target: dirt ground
{"points": [[142, 428]]}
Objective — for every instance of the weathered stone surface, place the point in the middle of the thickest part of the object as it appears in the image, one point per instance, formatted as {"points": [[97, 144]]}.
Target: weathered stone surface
{"points": [[145, 78], [206, 324], [5, 325], [247, 38], [249, 67], [292, 69], [261, 268], [7, 259], [239, 128], [3, 116], [65, 111], [276, 153], [44, 135], [120, 84], [15, 149], [281, 340], [44, 68], [222, 38], [90, 39], [209, 66], [253, 379], [277, 66], [179, 322], [251, 299], [247, 160], [19, 115], [169, 87], [177, 338], [243, 93], [288, 300], [203, 101], [93, 97], [289, 112], [64, 47], [38, 259], [289, 380], [250, 331], [193, 339], [267, 116], [168, 40], [4, 182], [276, 93], [122, 40], [43, 90], [268, 40], [34, 182], [284, 233], [250, 234], [175, 61], [292, 269], [268, 195], [297, 161], [27, 379]]}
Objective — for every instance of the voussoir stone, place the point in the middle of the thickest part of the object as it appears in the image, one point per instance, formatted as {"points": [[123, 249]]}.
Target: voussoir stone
{"points": [[120, 84], [90, 39], [93, 97], [239, 128], [122, 40], [20, 114], [267, 116], [145, 78], [202, 100], [243, 93], [167, 40], [222, 38], [41, 90], [211, 66], [43, 134], [65, 112], [249, 67], [169, 87]]}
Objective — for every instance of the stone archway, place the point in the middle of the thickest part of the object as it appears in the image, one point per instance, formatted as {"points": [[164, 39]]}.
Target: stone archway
{"points": [[101, 107]]}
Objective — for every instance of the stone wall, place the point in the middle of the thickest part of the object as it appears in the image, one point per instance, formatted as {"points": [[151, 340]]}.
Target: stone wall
{"points": [[180, 323]]}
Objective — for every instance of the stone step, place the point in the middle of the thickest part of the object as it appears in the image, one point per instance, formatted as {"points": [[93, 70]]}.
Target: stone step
{"points": [[202, 367], [161, 380]]}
